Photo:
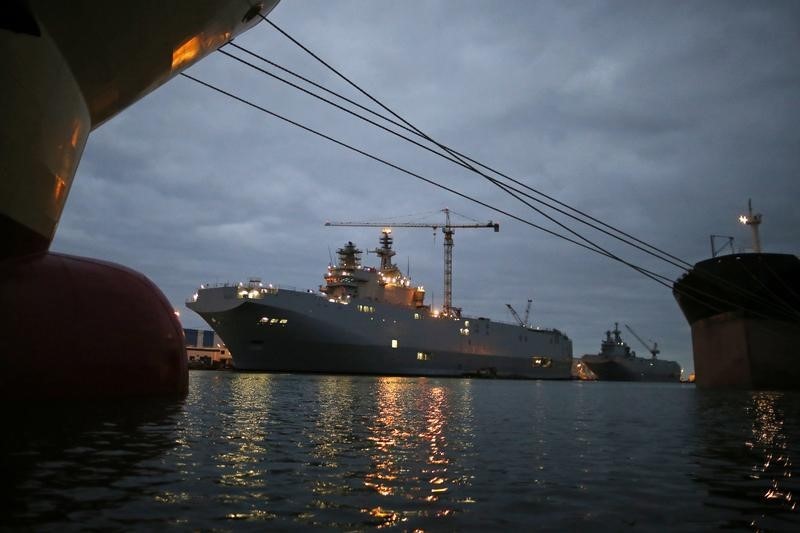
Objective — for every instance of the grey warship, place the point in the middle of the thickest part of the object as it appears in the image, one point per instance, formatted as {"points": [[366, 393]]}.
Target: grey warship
{"points": [[367, 320], [617, 362]]}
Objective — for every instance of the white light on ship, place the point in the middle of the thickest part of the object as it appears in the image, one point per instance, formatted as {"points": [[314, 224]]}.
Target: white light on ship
{"points": [[743, 219], [177, 313]]}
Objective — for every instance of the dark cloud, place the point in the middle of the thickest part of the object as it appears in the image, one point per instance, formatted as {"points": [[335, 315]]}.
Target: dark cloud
{"points": [[661, 118]]}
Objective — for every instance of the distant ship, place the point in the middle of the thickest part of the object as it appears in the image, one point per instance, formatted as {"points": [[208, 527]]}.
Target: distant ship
{"points": [[744, 311], [372, 321], [617, 362]]}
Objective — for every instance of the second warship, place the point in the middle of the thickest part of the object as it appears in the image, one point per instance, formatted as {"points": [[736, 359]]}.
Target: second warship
{"points": [[617, 362]]}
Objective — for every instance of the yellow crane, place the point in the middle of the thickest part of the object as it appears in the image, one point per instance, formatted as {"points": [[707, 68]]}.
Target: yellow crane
{"points": [[448, 229]]}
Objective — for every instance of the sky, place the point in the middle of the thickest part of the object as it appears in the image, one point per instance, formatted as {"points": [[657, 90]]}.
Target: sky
{"points": [[659, 118]]}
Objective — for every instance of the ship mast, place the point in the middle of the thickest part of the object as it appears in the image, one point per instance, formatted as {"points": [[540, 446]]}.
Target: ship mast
{"points": [[753, 221]]}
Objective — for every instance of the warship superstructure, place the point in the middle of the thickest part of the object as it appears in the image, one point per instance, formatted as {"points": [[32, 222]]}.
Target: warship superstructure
{"points": [[367, 320], [617, 362]]}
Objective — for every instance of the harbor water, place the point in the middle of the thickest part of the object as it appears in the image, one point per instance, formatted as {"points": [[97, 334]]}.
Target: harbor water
{"points": [[247, 451]]}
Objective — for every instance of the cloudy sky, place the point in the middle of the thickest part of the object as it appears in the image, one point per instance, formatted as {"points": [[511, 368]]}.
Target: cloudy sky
{"points": [[660, 118]]}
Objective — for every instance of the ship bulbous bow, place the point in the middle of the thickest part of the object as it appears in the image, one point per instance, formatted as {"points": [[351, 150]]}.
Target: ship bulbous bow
{"points": [[76, 327], [83, 328]]}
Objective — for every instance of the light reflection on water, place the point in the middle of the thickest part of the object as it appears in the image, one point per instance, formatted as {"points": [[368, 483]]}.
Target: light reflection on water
{"points": [[354, 453]]}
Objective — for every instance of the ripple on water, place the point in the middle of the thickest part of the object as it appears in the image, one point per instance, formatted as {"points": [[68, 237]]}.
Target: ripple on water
{"points": [[342, 452]]}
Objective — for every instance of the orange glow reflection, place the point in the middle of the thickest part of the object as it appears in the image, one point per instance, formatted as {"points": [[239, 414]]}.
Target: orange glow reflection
{"points": [[186, 52], [59, 189], [409, 452], [770, 440], [196, 46], [387, 435], [433, 435], [76, 130]]}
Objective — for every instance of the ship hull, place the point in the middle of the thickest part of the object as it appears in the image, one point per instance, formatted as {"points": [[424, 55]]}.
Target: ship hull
{"points": [[744, 313], [731, 350], [69, 67], [327, 337], [632, 370]]}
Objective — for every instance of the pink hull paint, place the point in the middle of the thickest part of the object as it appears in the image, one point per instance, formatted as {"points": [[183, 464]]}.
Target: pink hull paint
{"points": [[734, 351], [75, 327]]}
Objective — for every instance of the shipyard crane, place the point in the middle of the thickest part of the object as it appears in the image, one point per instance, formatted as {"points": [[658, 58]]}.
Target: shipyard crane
{"points": [[523, 323], [448, 229], [654, 351]]}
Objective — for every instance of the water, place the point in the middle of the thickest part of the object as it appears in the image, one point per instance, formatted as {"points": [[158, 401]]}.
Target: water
{"points": [[256, 451]]}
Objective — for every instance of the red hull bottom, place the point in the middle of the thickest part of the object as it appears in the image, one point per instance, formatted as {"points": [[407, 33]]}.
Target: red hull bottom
{"points": [[74, 327], [733, 351]]}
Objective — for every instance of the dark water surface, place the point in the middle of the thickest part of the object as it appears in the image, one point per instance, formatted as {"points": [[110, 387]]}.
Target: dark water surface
{"points": [[258, 451]]}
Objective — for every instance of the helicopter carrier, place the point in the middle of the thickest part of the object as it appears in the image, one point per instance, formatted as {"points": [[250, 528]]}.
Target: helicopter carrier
{"points": [[617, 362], [367, 320]]}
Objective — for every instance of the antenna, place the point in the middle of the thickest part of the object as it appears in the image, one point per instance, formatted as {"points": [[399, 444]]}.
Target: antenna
{"points": [[715, 251], [528, 311], [753, 221]]}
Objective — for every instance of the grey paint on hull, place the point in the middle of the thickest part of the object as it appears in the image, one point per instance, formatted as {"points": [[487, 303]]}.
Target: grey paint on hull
{"points": [[638, 369], [324, 336]]}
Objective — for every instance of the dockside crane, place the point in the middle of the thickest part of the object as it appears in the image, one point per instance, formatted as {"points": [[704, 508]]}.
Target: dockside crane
{"points": [[523, 323], [654, 351], [448, 229]]}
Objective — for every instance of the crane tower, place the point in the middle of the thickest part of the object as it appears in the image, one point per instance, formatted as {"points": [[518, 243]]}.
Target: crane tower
{"points": [[654, 351]]}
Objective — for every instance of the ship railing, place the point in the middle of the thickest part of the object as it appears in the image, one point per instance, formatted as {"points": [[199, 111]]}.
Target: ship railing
{"points": [[515, 324], [251, 290]]}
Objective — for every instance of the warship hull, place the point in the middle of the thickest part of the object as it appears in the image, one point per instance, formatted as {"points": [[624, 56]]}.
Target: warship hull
{"points": [[292, 331], [637, 369], [744, 313]]}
